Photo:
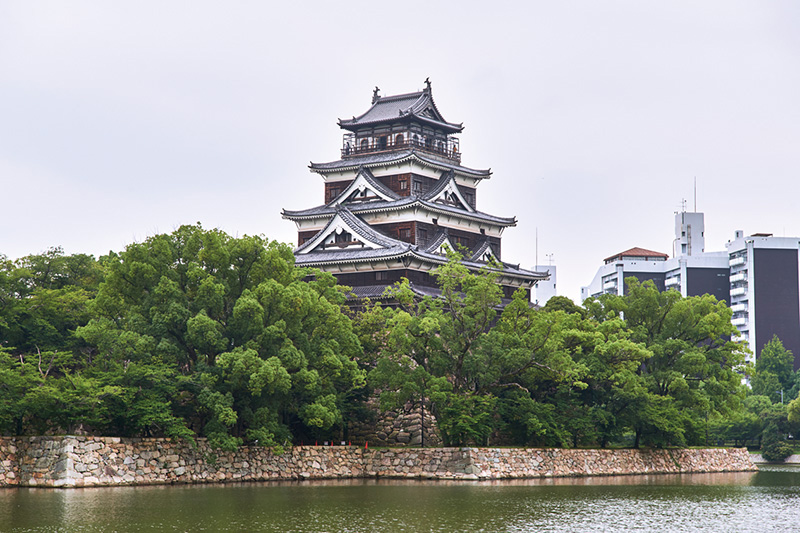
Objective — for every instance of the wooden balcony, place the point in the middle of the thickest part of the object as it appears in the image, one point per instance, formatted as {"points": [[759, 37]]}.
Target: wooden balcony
{"points": [[352, 147]]}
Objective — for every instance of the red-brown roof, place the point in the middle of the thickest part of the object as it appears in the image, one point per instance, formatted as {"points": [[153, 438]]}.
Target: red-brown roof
{"points": [[636, 252]]}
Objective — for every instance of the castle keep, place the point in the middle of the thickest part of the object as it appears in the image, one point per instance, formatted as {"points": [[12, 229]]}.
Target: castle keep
{"points": [[397, 200]]}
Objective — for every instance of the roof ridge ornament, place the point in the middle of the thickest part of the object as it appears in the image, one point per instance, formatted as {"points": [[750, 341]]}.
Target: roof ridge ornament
{"points": [[428, 85], [375, 94]]}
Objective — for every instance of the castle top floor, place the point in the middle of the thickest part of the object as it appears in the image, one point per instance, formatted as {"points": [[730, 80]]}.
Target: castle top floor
{"points": [[402, 122]]}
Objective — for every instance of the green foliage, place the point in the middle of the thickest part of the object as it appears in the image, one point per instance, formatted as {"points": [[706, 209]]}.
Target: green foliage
{"points": [[652, 364], [43, 298], [793, 411], [263, 353], [199, 333], [465, 418], [694, 370], [562, 303], [447, 351], [773, 448], [774, 371]]}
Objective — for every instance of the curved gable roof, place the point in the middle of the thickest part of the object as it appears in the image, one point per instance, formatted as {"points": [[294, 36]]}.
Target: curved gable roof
{"points": [[344, 220], [365, 180], [407, 202], [483, 251], [387, 109], [447, 192]]}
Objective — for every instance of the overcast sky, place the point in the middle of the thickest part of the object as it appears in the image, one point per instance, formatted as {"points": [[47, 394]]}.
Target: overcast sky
{"points": [[122, 120]]}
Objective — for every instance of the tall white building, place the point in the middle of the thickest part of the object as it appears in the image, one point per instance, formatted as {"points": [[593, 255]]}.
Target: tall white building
{"points": [[758, 276], [691, 270], [545, 289], [764, 295], [636, 263], [689, 234]]}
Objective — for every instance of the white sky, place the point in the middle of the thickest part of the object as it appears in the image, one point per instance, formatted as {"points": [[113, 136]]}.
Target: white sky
{"points": [[122, 120]]}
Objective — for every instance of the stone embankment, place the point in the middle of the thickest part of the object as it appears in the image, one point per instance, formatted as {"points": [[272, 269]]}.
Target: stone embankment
{"points": [[97, 461], [408, 426]]}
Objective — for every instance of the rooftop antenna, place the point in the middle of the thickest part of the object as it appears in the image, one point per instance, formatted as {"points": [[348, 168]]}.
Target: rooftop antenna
{"points": [[695, 194], [537, 246]]}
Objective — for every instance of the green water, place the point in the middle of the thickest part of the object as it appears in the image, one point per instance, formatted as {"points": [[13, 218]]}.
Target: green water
{"points": [[765, 501]]}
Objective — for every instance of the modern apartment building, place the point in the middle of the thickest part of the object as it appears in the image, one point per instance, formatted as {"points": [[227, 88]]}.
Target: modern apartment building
{"points": [[691, 270], [764, 290], [758, 276], [636, 263]]}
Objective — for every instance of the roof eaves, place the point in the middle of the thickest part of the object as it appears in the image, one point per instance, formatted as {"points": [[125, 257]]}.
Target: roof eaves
{"points": [[476, 215]]}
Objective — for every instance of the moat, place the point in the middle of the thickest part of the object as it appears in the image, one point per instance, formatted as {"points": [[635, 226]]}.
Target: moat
{"points": [[748, 501]]}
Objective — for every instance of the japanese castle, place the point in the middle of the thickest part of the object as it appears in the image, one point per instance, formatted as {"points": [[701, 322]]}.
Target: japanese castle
{"points": [[397, 200]]}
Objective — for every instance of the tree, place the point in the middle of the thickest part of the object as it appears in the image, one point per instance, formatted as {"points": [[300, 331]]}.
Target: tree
{"points": [[43, 299], [267, 355], [562, 303], [477, 369], [615, 393], [694, 369], [774, 374]]}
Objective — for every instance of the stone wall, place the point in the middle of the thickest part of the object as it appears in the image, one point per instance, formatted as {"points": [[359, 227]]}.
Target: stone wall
{"points": [[401, 427], [77, 461], [95, 461], [530, 462]]}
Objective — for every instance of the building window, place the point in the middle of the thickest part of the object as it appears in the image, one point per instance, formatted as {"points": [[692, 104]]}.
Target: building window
{"points": [[333, 192], [417, 186], [403, 185], [399, 140], [470, 198], [343, 237], [405, 233], [364, 145], [460, 241], [382, 276]]}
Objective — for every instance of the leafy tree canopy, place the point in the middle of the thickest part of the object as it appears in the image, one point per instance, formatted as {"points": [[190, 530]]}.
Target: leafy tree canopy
{"points": [[267, 354]]}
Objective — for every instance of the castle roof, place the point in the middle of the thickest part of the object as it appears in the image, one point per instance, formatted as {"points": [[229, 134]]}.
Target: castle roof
{"points": [[410, 107], [383, 159], [371, 245], [363, 181], [445, 198]]}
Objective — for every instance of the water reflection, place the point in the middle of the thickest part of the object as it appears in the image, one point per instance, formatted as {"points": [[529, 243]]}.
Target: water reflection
{"points": [[762, 501]]}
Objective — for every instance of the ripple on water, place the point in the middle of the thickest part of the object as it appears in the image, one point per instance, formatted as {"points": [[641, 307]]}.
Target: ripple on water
{"points": [[767, 501]]}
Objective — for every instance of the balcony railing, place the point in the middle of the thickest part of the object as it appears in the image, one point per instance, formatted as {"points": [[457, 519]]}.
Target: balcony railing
{"points": [[610, 284], [741, 276], [352, 146], [737, 261]]}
